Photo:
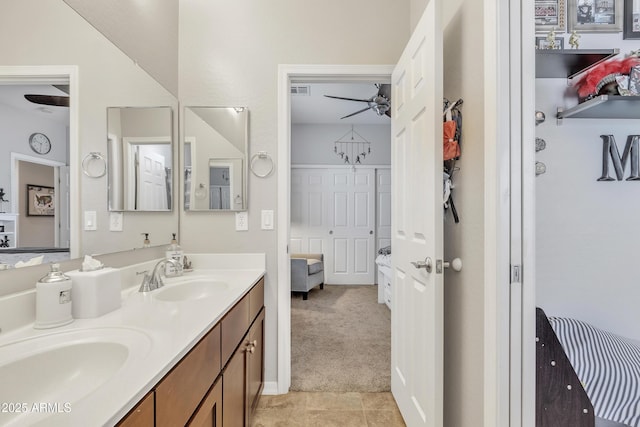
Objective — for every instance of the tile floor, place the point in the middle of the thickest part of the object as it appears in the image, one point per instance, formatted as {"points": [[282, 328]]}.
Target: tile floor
{"points": [[302, 409]]}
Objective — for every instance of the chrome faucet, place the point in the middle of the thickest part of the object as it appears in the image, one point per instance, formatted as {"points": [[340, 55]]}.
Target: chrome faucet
{"points": [[154, 281]]}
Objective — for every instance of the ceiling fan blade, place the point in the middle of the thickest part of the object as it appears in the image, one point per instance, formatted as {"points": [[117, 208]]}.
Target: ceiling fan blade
{"points": [[388, 112], [348, 99], [357, 112], [64, 88], [57, 101]]}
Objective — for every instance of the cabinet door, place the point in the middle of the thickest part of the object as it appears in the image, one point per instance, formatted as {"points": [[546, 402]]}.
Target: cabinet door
{"points": [[209, 414], [142, 415], [255, 363], [233, 390]]}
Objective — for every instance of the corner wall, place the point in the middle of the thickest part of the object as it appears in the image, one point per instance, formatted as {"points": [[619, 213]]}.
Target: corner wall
{"points": [[464, 291]]}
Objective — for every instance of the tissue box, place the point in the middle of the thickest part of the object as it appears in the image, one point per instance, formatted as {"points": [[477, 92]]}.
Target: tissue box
{"points": [[94, 293]]}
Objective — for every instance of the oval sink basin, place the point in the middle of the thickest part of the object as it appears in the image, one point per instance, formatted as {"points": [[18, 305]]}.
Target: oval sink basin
{"points": [[61, 368], [192, 290]]}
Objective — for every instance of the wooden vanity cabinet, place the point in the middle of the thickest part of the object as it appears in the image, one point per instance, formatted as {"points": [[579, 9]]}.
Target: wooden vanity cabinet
{"points": [[143, 415], [243, 377], [195, 392]]}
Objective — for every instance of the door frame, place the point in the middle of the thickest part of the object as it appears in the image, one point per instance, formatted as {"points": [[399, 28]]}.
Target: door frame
{"points": [[59, 74], [287, 74]]}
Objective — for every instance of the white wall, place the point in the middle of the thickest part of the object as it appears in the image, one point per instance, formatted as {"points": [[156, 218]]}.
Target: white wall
{"points": [[464, 291], [586, 231], [147, 32], [107, 77], [312, 144], [229, 55]]}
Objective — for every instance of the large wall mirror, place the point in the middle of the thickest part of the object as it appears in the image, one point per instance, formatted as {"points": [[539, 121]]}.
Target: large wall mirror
{"points": [[140, 158], [215, 158]]}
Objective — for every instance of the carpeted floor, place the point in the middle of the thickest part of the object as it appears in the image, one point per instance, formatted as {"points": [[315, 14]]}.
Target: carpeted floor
{"points": [[340, 341]]}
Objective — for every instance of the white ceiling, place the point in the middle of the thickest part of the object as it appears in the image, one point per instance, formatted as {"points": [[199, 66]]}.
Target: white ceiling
{"points": [[13, 96], [318, 109]]}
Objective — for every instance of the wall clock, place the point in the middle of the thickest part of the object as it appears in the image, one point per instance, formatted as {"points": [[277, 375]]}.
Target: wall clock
{"points": [[40, 143]]}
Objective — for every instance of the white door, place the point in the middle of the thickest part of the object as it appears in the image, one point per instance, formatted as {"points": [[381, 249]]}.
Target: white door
{"points": [[309, 212], [416, 162], [152, 184], [351, 236], [383, 208]]}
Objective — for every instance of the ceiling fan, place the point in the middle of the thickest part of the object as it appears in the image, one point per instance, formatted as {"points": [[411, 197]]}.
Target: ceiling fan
{"points": [[53, 100], [380, 102]]}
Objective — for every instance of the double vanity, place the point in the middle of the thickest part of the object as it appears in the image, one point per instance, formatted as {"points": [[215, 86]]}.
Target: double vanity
{"points": [[165, 357]]}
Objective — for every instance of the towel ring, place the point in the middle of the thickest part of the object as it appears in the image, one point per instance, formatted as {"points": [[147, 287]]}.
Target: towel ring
{"points": [[94, 156], [262, 155]]}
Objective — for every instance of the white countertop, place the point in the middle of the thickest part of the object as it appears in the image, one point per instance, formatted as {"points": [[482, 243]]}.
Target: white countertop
{"points": [[163, 333]]}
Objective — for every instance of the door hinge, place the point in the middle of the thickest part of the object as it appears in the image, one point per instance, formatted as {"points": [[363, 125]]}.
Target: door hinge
{"points": [[516, 274]]}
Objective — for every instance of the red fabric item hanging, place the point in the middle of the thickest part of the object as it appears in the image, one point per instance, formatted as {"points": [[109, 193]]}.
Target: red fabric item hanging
{"points": [[451, 148]]}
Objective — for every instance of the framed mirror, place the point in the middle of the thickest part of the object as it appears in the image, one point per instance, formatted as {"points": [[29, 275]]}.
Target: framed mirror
{"points": [[215, 158], [140, 158], [631, 19]]}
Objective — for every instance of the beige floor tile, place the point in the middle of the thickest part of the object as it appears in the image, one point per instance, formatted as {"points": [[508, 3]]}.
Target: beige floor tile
{"points": [[279, 417], [383, 418], [334, 401], [378, 401], [331, 418], [290, 400]]}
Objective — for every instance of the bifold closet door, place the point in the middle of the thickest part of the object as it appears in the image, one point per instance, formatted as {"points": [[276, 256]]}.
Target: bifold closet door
{"points": [[333, 212]]}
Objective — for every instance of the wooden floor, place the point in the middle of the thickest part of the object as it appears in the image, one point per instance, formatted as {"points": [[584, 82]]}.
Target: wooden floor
{"points": [[325, 409]]}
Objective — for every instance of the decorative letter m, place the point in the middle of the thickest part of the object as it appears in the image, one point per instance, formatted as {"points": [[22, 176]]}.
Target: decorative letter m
{"points": [[610, 148]]}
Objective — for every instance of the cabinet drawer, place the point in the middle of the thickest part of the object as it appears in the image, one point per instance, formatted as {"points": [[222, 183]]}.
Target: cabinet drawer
{"points": [[181, 391], [233, 327], [256, 299]]}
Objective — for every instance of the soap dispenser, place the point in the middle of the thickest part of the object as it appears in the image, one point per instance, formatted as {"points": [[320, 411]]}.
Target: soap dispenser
{"points": [[53, 300], [174, 252]]}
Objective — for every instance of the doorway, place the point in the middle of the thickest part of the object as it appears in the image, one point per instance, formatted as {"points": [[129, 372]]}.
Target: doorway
{"points": [[287, 76]]}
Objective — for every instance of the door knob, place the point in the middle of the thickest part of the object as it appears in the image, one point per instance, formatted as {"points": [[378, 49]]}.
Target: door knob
{"points": [[427, 264], [455, 264]]}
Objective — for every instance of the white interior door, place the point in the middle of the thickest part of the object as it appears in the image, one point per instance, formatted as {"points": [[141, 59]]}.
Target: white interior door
{"points": [[351, 236], [152, 185], [309, 212], [383, 208], [417, 223], [62, 212]]}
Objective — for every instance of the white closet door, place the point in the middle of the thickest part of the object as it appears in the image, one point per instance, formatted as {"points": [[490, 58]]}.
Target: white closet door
{"points": [[352, 225], [309, 211], [152, 190], [333, 212], [383, 211]]}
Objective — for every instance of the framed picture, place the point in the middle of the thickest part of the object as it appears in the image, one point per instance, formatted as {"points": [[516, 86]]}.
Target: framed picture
{"points": [[550, 15], [543, 43], [595, 16], [40, 200], [631, 19]]}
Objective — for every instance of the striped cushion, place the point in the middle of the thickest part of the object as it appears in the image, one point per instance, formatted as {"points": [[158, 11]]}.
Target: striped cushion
{"points": [[608, 366]]}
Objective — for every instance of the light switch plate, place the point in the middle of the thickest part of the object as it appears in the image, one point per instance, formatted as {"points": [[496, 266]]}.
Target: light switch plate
{"points": [[267, 220], [115, 221], [90, 221], [242, 221]]}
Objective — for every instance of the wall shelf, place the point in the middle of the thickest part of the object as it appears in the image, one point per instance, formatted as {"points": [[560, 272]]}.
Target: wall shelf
{"points": [[605, 107], [567, 63]]}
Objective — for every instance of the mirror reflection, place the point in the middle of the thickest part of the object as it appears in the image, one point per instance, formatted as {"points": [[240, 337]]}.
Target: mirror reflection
{"points": [[215, 158], [140, 158]]}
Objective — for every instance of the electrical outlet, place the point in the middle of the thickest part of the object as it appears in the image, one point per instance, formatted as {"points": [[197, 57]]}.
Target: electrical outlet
{"points": [[242, 221], [115, 221]]}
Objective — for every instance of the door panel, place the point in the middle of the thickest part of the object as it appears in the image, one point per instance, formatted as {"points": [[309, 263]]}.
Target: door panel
{"points": [[417, 223]]}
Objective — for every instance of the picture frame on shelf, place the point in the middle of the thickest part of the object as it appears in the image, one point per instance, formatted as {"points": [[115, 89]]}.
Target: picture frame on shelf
{"points": [[40, 200], [542, 43], [631, 20], [595, 16], [550, 15]]}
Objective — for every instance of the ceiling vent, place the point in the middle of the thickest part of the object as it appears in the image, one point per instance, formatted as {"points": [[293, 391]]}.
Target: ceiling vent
{"points": [[300, 90]]}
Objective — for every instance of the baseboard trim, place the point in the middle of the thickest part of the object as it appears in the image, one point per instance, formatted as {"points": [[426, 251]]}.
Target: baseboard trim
{"points": [[270, 388]]}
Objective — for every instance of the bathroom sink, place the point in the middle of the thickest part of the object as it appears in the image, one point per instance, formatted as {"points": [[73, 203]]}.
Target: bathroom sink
{"points": [[191, 290], [61, 368]]}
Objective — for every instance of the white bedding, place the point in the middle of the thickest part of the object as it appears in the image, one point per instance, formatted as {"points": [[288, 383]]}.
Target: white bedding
{"points": [[608, 366]]}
